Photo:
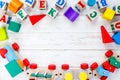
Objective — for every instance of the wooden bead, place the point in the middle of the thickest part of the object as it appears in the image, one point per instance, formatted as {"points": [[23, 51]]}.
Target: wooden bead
{"points": [[94, 66], [84, 66], [65, 67], [109, 53], [26, 62], [52, 67], [33, 66], [15, 46], [3, 51]]}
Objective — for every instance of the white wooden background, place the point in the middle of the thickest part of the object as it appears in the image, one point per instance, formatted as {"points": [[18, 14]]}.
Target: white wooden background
{"points": [[59, 41]]}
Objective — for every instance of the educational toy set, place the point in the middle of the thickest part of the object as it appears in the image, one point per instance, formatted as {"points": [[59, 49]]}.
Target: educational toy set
{"points": [[16, 64]]}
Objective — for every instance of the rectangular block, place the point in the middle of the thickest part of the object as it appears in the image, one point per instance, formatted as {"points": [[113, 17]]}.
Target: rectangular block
{"points": [[42, 4], [115, 26], [13, 68], [22, 14], [92, 15], [5, 19], [3, 34], [80, 5], [61, 3], [10, 55], [30, 2], [3, 5], [52, 12]]}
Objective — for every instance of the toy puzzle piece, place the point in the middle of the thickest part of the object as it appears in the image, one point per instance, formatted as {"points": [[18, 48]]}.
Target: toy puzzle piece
{"points": [[115, 26], [71, 14], [102, 4], [114, 62], [92, 15], [116, 38], [43, 4], [30, 2], [3, 34], [13, 68], [52, 12], [91, 3], [35, 18], [106, 38], [61, 3], [80, 5], [83, 76]]}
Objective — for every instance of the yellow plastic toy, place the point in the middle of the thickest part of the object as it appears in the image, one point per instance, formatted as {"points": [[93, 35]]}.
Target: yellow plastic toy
{"points": [[3, 34], [68, 76], [83, 76], [108, 14]]}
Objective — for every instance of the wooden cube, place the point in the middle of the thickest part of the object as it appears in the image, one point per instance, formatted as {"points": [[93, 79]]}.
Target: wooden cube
{"points": [[92, 15], [3, 5], [42, 4], [52, 12], [5, 19], [61, 3], [115, 26], [3, 34], [21, 14], [80, 5], [108, 14], [30, 2], [15, 5], [117, 9]]}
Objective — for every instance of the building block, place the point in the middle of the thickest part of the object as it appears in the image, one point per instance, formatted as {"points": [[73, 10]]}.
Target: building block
{"points": [[52, 67], [68, 76], [117, 9], [14, 26], [91, 3], [43, 4], [65, 67], [3, 5], [106, 65], [116, 38], [80, 5], [3, 51], [106, 38], [108, 14], [10, 55], [113, 61], [115, 26], [22, 14], [83, 76], [109, 53], [102, 72], [33, 66], [84, 66], [93, 66], [15, 5], [30, 2], [71, 14], [61, 3], [13, 68], [35, 18], [3, 34], [102, 4], [52, 12], [92, 15]]}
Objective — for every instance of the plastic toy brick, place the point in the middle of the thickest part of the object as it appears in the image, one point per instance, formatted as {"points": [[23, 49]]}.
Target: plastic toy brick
{"points": [[113, 61], [83, 76], [68, 76], [3, 5], [71, 14], [14, 26], [115, 26], [65, 67], [80, 5], [43, 4], [3, 34], [102, 4], [116, 38], [10, 55], [108, 14], [13, 68], [22, 14], [91, 3], [61, 3], [102, 72], [52, 12], [92, 15], [30, 2], [15, 5]]}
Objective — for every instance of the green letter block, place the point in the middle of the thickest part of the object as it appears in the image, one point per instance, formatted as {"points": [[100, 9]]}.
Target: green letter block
{"points": [[52, 12]]}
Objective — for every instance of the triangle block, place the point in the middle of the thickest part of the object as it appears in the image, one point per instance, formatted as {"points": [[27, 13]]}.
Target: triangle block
{"points": [[106, 38], [35, 18]]}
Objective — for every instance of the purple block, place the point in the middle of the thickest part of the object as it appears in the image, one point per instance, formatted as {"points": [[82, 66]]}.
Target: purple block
{"points": [[71, 14]]}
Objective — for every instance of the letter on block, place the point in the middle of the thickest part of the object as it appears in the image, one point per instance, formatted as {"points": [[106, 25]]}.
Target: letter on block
{"points": [[92, 15], [43, 4], [102, 4], [115, 26], [3, 5], [29, 2], [60, 3], [80, 5], [52, 12]]}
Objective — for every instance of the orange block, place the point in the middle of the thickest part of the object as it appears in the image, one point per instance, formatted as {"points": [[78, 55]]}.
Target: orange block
{"points": [[20, 63], [15, 5]]}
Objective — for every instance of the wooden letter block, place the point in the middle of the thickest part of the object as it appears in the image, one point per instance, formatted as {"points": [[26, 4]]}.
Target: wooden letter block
{"points": [[30, 2], [117, 9], [5, 18], [43, 4], [22, 14], [3, 5], [3, 34], [80, 5], [60, 3], [52, 12], [115, 26], [92, 15]]}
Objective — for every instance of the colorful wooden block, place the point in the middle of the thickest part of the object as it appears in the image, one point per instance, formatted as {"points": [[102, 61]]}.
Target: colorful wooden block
{"points": [[14, 26], [108, 14], [3, 5], [115, 26], [92, 15], [22, 14], [91, 3], [61, 3], [93, 66], [83, 76], [65, 66], [15, 5], [80, 5], [109, 53], [113, 61], [30, 2], [13, 68], [71, 14], [102, 4], [3, 34], [84, 66], [43, 4], [116, 38], [102, 72], [52, 67], [52, 12], [26, 62], [5, 18], [117, 9], [68, 76]]}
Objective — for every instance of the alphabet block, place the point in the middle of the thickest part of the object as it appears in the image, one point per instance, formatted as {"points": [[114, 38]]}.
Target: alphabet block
{"points": [[117, 9], [3, 34], [22, 14], [52, 12], [80, 5], [5, 19], [43, 4], [92, 15], [115, 26], [30, 2], [61, 3], [3, 5]]}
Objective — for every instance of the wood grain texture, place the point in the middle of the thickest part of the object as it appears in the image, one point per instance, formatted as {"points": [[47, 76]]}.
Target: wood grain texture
{"points": [[60, 41]]}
